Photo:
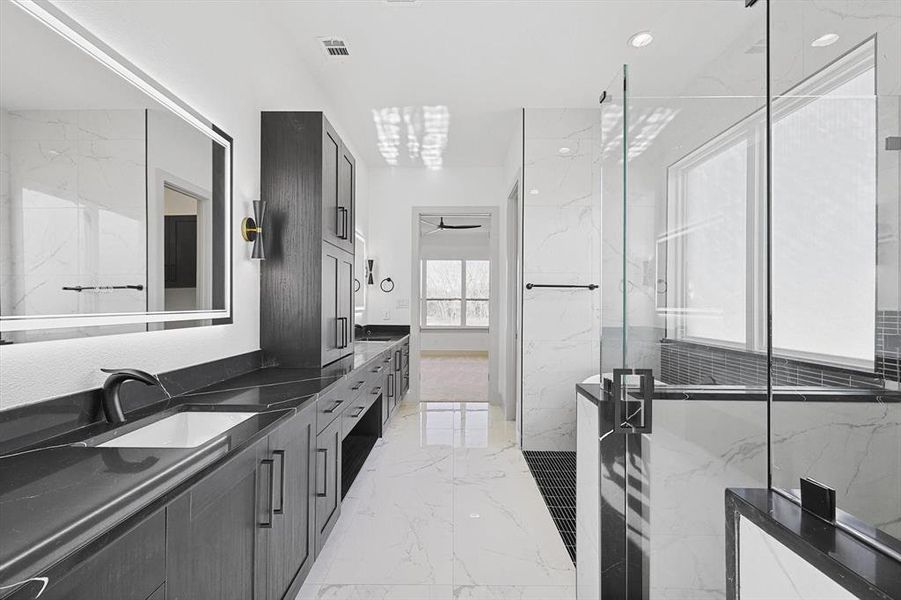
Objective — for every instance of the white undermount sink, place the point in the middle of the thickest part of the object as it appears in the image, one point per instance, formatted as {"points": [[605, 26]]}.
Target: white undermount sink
{"points": [[182, 430]]}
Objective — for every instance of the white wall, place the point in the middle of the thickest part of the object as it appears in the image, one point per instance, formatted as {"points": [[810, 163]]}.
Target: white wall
{"points": [[393, 194], [228, 61]]}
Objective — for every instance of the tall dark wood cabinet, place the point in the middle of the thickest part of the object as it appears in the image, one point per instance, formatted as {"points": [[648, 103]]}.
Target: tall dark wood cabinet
{"points": [[308, 181]]}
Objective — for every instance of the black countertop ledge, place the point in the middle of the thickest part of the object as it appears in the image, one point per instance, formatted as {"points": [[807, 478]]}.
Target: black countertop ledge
{"points": [[592, 392], [57, 497]]}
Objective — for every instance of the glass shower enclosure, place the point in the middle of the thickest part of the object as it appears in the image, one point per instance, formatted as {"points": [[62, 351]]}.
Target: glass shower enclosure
{"points": [[750, 290]]}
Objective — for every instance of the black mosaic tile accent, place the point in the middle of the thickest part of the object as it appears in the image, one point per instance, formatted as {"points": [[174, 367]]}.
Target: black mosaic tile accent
{"points": [[689, 363], [555, 474], [888, 344]]}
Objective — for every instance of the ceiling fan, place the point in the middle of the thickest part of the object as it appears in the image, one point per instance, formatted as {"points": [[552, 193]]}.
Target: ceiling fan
{"points": [[442, 226]]}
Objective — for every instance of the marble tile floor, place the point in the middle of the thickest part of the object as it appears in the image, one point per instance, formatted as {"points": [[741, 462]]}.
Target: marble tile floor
{"points": [[445, 508]]}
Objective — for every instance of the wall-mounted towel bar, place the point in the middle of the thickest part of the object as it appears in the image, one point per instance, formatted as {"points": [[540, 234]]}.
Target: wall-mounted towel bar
{"points": [[590, 286], [101, 288]]}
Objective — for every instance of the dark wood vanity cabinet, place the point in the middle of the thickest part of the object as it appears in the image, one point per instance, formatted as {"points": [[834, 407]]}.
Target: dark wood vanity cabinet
{"points": [[244, 532], [307, 179], [290, 542], [133, 567], [213, 532], [328, 481]]}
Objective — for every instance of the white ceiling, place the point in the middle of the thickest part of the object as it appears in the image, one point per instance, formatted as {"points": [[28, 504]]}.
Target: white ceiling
{"points": [[484, 60]]}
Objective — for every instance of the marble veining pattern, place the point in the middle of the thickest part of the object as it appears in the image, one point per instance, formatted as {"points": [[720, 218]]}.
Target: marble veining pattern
{"points": [[561, 245], [445, 508]]}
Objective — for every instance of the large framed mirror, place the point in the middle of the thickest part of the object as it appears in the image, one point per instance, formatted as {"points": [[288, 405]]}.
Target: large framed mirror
{"points": [[115, 196]]}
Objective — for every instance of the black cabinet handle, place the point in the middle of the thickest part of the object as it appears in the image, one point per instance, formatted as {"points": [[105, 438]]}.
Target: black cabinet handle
{"points": [[359, 412], [390, 385], [346, 332], [281, 488], [271, 464], [358, 386], [342, 224], [376, 390], [323, 451], [377, 369], [334, 407], [343, 322], [397, 360]]}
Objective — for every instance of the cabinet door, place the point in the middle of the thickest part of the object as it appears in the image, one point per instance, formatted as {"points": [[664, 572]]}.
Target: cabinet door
{"points": [[130, 568], [328, 481], [212, 531], [291, 546], [346, 301], [333, 220], [332, 326], [347, 172]]}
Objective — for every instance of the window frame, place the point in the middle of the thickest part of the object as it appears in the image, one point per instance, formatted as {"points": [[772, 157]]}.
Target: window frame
{"points": [[754, 129], [424, 299]]}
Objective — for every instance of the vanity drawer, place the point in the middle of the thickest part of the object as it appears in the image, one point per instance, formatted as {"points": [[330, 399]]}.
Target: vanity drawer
{"points": [[332, 404]]}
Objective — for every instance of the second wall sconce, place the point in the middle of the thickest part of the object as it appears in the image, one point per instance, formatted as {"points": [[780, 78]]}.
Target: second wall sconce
{"points": [[252, 229]]}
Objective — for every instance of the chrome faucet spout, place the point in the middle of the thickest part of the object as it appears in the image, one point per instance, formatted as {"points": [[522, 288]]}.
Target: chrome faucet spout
{"points": [[112, 406]]}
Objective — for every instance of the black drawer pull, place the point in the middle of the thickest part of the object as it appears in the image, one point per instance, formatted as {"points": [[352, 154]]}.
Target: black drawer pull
{"points": [[281, 488], [376, 390], [358, 386], [377, 370], [269, 510], [334, 407], [324, 494], [359, 412], [390, 385]]}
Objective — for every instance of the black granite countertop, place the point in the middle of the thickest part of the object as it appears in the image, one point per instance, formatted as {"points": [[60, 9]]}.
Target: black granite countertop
{"points": [[857, 566], [56, 496]]}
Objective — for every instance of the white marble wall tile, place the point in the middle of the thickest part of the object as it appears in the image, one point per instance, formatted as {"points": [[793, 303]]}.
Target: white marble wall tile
{"points": [[558, 316], [43, 125], [561, 245], [854, 448], [111, 125], [569, 123], [562, 239], [688, 567], [768, 569], [549, 413], [76, 210]]}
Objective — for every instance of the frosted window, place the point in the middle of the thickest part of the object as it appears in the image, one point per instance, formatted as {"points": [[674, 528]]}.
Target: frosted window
{"points": [[824, 223], [713, 268]]}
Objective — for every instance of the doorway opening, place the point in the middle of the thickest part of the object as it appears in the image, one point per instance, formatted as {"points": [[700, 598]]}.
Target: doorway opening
{"points": [[454, 301]]}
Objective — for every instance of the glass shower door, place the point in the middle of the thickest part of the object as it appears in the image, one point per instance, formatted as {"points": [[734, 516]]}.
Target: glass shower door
{"points": [[685, 414]]}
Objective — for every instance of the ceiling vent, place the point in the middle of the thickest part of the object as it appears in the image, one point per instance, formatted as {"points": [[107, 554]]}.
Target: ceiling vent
{"points": [[334, 47]]}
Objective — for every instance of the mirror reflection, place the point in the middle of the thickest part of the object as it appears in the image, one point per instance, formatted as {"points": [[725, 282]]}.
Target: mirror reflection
{"points": [[110, 203]]}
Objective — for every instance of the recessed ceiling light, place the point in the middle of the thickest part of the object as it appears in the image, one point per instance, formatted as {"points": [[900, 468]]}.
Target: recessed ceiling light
{"points": [[534, 191], [564, 151], [825, 40], [641, 39]]}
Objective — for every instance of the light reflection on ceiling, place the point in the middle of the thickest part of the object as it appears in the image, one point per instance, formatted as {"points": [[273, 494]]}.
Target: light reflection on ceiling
{"points": [[644, 127], [418, 133]]}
